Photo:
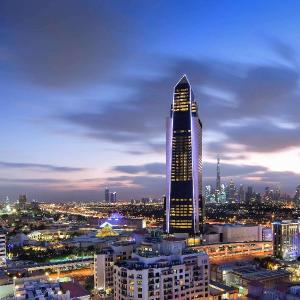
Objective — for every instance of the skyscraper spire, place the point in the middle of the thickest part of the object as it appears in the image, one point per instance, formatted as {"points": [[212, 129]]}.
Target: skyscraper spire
{"points": [[183, 80], [184, 163], [218, 181]]}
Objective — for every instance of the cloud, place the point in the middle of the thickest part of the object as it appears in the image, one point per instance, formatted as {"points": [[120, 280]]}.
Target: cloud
{"points": [[280, 177], [140, 186], [231, 170], [237, 101], [135, 185], [42, 181], [39, 167], [256, 175], [209, 170], [63, 43], [262, 136], [283, 49], [256, 93], [152, 168]]}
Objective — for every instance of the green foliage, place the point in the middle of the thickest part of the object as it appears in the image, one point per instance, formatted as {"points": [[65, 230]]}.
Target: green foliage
{"points": [[89, 283], [50, 254]]}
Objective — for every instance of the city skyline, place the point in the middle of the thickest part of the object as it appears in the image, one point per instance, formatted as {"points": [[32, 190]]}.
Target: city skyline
{"points": [[74, 123], [150, 150]]}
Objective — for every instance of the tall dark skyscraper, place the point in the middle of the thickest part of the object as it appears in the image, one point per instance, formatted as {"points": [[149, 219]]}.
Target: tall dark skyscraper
{"points": [[231, 192], [249, 194], [113, 197], [241, 195], [22, 202], [106, 195], [218, 182], [184, 199], [297, 196]]}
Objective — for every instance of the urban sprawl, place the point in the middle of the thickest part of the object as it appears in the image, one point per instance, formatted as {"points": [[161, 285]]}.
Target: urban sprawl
{"points": [[219, 241]]}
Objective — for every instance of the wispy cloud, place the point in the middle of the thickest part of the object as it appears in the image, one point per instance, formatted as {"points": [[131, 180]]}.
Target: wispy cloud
{"points": [[39, 167], [65, 43], [151, 169], [29, 181], [259, 93]]}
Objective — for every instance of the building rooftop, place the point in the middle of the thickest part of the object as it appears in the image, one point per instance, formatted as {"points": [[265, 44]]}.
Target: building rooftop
{"points": [[75, 289], [37, 289], [138, 265], [123, 243], [221, 286], [282, 222], [252, 273], [174, 239], [152, 259], [234, 225]]}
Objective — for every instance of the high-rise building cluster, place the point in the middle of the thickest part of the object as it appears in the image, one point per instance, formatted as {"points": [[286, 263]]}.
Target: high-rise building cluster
{"points": [[231, 193], [110, 197]]}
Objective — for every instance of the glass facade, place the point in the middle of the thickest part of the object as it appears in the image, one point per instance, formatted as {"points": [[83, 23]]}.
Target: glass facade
{"points": [[184, 163]]}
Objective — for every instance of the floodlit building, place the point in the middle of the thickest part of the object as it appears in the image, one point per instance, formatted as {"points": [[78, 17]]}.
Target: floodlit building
{"points": [[49, 235], [219, 291], [230, 233], [286, 239], [119, 222], [113, 197], [232, 250], [184, 198], [171, 272]]}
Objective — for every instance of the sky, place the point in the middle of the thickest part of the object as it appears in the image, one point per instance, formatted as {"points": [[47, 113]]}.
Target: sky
{"points": [[86, 86]]}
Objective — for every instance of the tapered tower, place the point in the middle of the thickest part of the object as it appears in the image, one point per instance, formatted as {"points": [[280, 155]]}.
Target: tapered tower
{"points": [[184, 201]]}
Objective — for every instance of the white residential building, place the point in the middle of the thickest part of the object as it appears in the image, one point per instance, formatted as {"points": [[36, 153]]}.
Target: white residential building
{"points": [[174, 272], [104, 263]]}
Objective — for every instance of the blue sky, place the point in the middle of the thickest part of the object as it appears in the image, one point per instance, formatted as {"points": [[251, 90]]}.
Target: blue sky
{"points": [[86, 86]]}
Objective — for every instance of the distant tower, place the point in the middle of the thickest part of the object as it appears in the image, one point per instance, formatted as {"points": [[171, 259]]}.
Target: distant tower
{"points": [[218, 182], [249, 194], [297, 196], [241, 194], [22, 202], [113, 197], [184, 199], [207, 193], [231, 192], [277, 194], [106, 195]]}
